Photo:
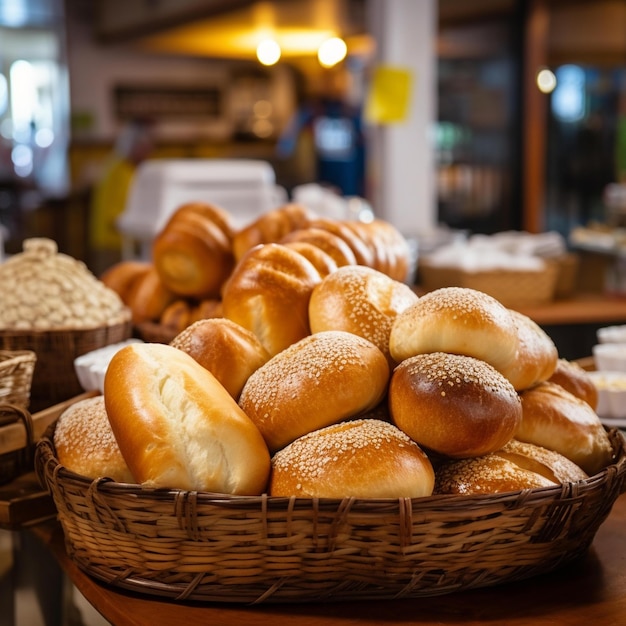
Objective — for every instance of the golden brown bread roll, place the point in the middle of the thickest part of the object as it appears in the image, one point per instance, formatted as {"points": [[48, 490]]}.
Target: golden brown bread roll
{"points": [[271, 227], [365, 458], [193, 254], [556, 419], [322, 261], [177, 315], [573, 378], [211, 212], [230, 352], [318, 381], [391, 254], [149, 297], [515, 467], [359, 300], [268, 293], [177, 426], [206, 309], [455, 405], [536, 356], [122, 276], [85, 443], [457, 320], [363, 254], [330, 243]]}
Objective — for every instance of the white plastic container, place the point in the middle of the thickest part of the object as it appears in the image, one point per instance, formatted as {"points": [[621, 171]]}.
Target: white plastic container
{"points": [[246, 188], [612, 334], [611, 388], [610, 357]]}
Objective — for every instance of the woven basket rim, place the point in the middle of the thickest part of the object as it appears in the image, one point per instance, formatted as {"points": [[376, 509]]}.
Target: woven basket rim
{"points": [[34, 332], [109, 486]]}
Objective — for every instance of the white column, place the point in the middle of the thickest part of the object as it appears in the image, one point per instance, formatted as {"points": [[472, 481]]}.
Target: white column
{"points": [[401, 156]]}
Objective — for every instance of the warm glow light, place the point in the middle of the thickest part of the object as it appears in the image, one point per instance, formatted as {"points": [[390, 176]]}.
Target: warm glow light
{"points": [[546, 81], [332, 51], [268, 52]]}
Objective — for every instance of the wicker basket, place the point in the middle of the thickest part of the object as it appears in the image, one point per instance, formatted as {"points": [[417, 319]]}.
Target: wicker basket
{"points": [[54, 377], [510, 287], [16, 376], [215, 548], [16, 462]]}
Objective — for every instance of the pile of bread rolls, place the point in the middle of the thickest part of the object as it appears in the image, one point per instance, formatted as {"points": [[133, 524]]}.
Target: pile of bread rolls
{"points": [[200, 264], [340, 381]]}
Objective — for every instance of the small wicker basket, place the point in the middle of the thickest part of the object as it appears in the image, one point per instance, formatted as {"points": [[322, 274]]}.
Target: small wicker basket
{"points": [[16, 376], [510, 287], [216, 548]]}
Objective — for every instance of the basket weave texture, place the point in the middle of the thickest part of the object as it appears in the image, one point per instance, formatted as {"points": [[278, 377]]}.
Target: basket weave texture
{"points": [[54, 378], [16, 376], [510, 287], [216, 548]]}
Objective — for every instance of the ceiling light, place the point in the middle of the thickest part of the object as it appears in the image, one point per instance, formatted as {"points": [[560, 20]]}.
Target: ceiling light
{"points": [[268, 52], [332, 51]]}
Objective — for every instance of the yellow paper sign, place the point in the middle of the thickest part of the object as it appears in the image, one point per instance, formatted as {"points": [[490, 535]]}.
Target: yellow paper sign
{"points": [[389, 95]]}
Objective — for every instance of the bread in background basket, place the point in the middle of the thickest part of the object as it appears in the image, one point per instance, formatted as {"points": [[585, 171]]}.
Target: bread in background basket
{"points": [[53, 305]]}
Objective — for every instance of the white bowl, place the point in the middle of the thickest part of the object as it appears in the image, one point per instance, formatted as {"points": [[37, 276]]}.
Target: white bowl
{"points": [[612, 334], [610, 356], [611, 388]]}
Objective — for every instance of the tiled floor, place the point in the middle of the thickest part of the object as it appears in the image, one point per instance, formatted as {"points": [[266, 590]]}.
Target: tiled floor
{"points": [[39, 593]]}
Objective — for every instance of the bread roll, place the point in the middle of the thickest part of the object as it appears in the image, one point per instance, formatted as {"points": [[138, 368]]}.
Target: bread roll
{"points": [[206, 309], [85, 443], [556, 419], [363, 254], [536, 356], [123, 276], [514, 467], [322, 261], [359, 300], [360, 459], [318, 381], [455, 405], [178, 427], [457, 320], [330, 243], [149, 297], [177, 315], [268, 293], [573, 378], [271, 227], [193, 255], [230, 352], [220, 217]]}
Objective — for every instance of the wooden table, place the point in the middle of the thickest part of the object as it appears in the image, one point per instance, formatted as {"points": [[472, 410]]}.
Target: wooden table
{"points": [[591, 590]]}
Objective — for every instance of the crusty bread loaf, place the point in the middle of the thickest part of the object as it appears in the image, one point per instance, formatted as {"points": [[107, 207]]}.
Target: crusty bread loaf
{"points": [[359, 300], [322, 261], [85, 443], [330, 243], [365, 458], [556, 419], [455, 405], [573, 378], [230, 352], [177, 426], [317, 381], [177, 315], [536, 356], [149, 297], [514, 467], [206, 309], [457, 320], [122, 276], [193, 253], [271, 227], [268, 293]]}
